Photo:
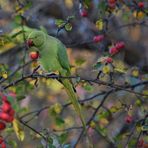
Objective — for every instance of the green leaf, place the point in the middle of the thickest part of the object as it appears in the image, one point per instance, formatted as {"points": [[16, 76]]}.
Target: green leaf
{"points": [[12, 143], [14, 104], [87, 3], [59, 22], [68, 27], [88, 87], [51, 146], [103, 131], [63, 137], [118, 138], [102, 7], [80, 61], [9, 130], [50, 140], [28, 5], [97, 65], [20, 97], [132, 143], [59, 121], [18, 19]]}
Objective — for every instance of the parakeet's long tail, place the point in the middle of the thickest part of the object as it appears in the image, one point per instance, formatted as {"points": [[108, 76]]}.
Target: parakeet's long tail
{"points": [[74, 100]]}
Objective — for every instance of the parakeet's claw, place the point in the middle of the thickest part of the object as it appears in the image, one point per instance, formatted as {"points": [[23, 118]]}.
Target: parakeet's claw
{"points": [[53, 75]]}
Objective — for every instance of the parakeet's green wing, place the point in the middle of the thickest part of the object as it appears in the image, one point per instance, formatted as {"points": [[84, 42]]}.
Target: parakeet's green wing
{"points": [[63, 59]]}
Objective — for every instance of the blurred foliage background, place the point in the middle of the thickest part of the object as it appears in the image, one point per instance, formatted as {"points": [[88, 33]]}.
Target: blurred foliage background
{"points": [[108, 128]]}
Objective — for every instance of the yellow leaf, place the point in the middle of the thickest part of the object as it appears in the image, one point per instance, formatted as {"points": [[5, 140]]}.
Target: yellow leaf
{"points": [[103, 122], [69, 121], [146, 93], [119, 66], [58, 108], [135, 73], [6, 47], [138, 15], [106, 69], [18, 130], [5, 75], [69, 3], [138, 128], [92, 124], [138, 102], [99, 24], [113, 109]]}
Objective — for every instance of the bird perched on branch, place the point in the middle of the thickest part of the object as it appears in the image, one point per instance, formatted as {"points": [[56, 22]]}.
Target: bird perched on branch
{"points": [[53, 58]]}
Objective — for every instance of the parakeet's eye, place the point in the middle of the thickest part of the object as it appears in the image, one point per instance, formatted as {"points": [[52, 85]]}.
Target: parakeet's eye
{"points": [[30, 43]]}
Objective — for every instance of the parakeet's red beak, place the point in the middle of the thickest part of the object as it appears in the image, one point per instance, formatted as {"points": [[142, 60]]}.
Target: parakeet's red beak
{"points": [[30, 43]]}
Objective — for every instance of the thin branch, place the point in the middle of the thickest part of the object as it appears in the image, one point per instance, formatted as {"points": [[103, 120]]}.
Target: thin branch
{"points": [[100, 105], [34, 130], [93, 115], [47, 76]]}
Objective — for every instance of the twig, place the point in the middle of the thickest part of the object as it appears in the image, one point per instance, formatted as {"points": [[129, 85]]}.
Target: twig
{"points": [[28, 126], [47, 76]]}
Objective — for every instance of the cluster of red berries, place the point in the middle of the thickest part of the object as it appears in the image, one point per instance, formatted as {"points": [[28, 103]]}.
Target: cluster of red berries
{"points": [[112, 3], [98, 38], [128, 119], [33, 54], [141, 5], [2, 143], [108, 60], [6, 116], [83, 12], [115, 49], [140, 143]]}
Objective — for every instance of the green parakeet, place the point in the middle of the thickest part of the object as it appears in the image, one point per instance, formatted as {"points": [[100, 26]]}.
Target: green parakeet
{"points": [[53, 58]]}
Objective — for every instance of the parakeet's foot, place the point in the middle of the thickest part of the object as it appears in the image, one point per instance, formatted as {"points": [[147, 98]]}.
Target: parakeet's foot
{"points": [[52, 74]]}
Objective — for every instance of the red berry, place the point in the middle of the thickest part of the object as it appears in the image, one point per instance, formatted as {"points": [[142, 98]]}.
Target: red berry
{"points": [[6, 106], [83, 13], [11, 112], [12, 94], [128, 119], [141, 4], [108, 60], [6, 117], [111, 1], [34, 55], [2, 125], [120, 45], [98, 38], [112, 5], [4, 98], [1, 140], [3, 145], [10, 119], [30, 43], [140, 143], [113, 50]]}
